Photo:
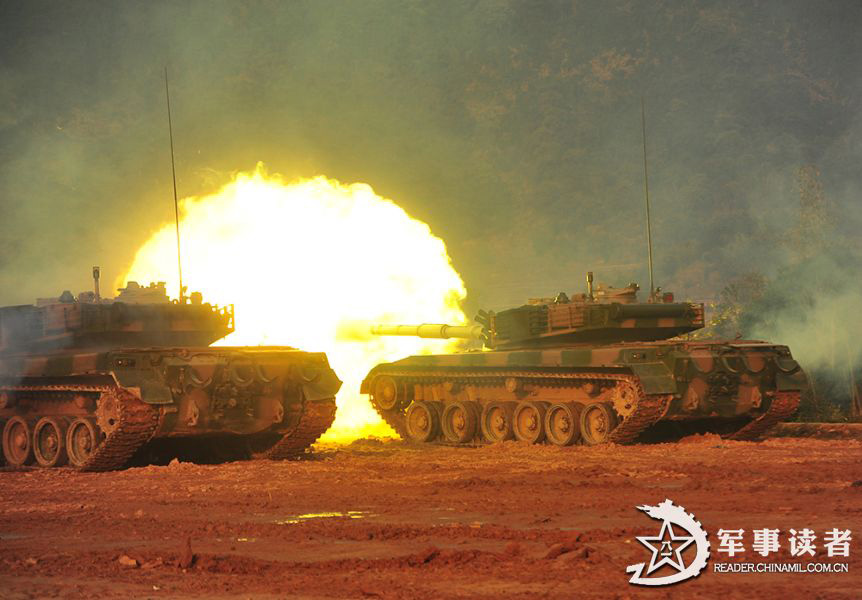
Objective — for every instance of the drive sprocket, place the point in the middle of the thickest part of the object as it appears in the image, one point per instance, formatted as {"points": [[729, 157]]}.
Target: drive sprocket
{"points": [[624, 399], [108, 412]]}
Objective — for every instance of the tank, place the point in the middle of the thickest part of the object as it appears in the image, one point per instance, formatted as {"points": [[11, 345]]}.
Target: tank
{"points": [[594, 368], [97, 383]]}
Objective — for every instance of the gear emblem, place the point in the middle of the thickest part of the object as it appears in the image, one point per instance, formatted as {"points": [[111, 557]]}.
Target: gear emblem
{"points": [[679, 530]]}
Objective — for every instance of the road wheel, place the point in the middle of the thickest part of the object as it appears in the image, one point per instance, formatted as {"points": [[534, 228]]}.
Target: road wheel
{"points": [[81, 441], [563, 423], [498, 421], [460, 421], [423, 421], [49, 442], [597, 421], [529, 421], [17, 443], [387, 394]]}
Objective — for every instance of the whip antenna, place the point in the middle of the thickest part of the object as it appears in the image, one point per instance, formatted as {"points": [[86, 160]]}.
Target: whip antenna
{"points": [[646, 197], [174, 175]]}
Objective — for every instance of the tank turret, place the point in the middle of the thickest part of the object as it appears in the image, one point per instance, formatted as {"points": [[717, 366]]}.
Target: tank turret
{"points": [[138, 316], [602, 315]]}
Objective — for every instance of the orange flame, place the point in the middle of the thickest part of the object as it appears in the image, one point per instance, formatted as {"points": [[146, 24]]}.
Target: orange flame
{"points": [[309, 263]]}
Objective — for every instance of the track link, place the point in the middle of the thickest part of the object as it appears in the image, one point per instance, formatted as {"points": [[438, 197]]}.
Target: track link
{"points": [[648, 410], [315, 419], [783, 406], [394, 418], [137, 424]]}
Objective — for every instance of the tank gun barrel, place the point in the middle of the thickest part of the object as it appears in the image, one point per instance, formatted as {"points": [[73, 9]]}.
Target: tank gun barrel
{"points": [[427, 330]]}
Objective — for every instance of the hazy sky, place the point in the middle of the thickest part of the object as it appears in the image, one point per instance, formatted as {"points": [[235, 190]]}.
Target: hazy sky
{"points": [[511, 127]]}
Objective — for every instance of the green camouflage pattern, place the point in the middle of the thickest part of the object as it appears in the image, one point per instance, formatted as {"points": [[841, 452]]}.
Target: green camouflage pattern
{"points": [[105, 379], [596, 368], [705, 378]]}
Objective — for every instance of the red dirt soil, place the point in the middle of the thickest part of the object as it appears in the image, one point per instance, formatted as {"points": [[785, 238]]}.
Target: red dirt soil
{"points": [[508, 520]]}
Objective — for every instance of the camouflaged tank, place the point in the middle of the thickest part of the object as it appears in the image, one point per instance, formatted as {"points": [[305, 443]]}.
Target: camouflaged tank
{"points": [[599, 367], [92, 382]]}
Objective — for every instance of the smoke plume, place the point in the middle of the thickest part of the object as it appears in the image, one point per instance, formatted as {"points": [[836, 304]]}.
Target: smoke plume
{"points": [[512, 128]]}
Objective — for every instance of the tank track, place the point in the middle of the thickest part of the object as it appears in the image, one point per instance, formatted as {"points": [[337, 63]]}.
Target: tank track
{"points": [[314, 420], [783, 405], [394, 418], [137, 423], [648, 410]]}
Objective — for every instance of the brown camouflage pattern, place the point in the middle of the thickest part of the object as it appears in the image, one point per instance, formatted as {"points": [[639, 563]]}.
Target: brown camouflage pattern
{"points": [[711, 378], [81, 325], [536, 325], [610, 359], [269, 400]]}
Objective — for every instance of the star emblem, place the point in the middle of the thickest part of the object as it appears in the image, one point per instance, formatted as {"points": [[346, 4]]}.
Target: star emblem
{"points": [[666, 545]]}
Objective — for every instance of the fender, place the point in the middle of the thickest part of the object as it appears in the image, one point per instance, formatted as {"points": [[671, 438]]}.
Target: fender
{"points": [[655, 377], [150, 387], [319, 385]]}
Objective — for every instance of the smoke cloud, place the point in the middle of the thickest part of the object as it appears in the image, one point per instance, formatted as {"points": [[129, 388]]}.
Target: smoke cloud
{"points": [[512, 128]]}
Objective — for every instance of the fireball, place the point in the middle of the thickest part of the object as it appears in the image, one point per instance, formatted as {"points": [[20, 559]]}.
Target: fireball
{"points": [[308, 264]]}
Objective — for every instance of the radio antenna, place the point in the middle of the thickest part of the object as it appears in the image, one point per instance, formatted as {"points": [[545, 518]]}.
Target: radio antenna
{"points": [[646, 197], [174, 175]]}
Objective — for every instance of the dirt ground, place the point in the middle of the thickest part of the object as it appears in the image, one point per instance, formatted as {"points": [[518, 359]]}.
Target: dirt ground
{"points": [[386, 520]]}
